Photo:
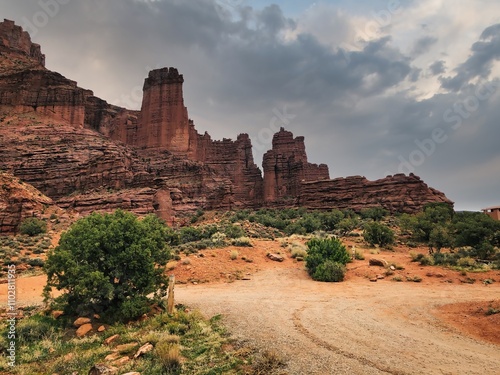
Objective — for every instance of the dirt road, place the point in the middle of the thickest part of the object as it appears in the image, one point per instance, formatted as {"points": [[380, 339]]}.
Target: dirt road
{"points": [[355, 327]]}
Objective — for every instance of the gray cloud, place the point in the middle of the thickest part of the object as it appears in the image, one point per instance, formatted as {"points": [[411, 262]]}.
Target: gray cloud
{"points": [[437, 67], [357, 109], [484, 53], [423, 45]]}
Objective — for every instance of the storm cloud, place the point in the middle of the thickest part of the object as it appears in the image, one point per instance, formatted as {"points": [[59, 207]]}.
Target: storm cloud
{"points": [[366, 106]]}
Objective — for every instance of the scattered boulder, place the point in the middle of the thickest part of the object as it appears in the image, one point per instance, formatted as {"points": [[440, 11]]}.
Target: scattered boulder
{"points": [[56, 313], [275, 257], [110, 339], [83, 330], [101, 329], [378, 262], [81, 321], [121, 361], [146, 348], [125, 348], [112, 357]]}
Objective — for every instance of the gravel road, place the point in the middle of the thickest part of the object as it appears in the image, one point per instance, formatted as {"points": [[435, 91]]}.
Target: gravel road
{"points": [[355, 327]]}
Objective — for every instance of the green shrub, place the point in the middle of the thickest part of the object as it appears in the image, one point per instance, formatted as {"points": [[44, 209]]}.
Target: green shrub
{"points": [[35, 262], [298, 250], [329, 271], [219, 239], [190, 234], [234, 231], [322, 250], [33, 226], [374, 213], [241, 242], [426, 260], [347, 225], [378, 234]]}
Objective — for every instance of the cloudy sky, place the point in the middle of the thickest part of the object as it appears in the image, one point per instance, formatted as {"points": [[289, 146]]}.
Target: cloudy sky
{"points": [[377, 87]]}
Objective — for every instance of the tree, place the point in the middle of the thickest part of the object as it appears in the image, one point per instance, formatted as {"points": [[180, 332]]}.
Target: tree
{"points": [[439, 238], [109, 264]]}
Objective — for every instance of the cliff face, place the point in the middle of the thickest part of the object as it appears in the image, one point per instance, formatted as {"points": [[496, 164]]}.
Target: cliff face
{"points": [[88, 155], [18, 201], [398, 193], [286, 168]]}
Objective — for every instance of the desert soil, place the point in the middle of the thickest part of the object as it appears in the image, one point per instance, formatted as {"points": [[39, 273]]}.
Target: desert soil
{"points": [[437, 326]]}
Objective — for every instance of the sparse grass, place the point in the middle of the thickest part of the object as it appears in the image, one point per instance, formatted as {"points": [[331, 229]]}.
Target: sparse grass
{"points": [[45, 346], [234, 255], [415, 279], [397, 278], [358, 255], [267, 362], [298, 250]]}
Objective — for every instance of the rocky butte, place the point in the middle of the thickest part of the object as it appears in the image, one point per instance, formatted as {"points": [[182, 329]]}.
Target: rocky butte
{"points": [[87, 155]]}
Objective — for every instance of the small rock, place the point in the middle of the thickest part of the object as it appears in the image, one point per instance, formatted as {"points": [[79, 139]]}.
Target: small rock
{"points": [[97, 316], [373, 279], [392, 268], [68, 357], [100, 369], [56, 313], [378, 262], [83, 330], [146, 348], [121, 361], [124, 348], [112, 357], [81, 321], [380, 277], [110, 339], [101, 329], [275, 257]]}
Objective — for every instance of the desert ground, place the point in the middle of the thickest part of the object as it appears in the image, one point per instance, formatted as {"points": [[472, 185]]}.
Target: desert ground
{"points": [[436, 326]]}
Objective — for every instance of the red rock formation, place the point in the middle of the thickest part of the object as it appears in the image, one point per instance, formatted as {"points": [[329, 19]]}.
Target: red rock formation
{"points": [[89, 155], [164, 121], [234, 159], [398, 193], [18, 201], [84, 170], [286, 167], [14, 40]]}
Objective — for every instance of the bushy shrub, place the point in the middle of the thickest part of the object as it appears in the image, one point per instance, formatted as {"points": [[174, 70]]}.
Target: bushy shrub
{"points": [[378, 234], [219, 239], [190, 234], [322, 250], [241, 242], [33, 226], [329, 271], [298, 250], [234, 231], [374, 213], [347, 225]]}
